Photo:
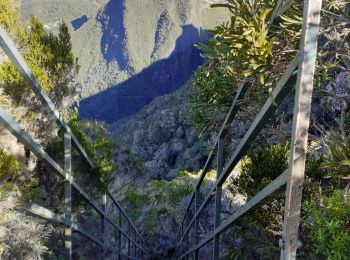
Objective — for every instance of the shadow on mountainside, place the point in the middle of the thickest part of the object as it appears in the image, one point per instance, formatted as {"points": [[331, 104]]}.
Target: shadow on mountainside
{"points": [[162, 77], [79, 22], [113, 45]]}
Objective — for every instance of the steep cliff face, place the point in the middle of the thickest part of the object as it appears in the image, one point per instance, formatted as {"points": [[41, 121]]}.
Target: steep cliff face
{"points": [[162, 77], [161, 136], [156, 49], [95, 73], [130, 52]]}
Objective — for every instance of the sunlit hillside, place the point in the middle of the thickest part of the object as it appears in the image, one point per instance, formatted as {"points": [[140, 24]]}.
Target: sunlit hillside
{"points": [[116, 39]]}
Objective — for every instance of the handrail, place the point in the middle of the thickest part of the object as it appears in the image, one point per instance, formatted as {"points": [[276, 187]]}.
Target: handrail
{"points": [[41, 154], [10, 50], [228, 120], [125, 215], [257, 199], [283, 87], [280, 5], [299, 73], [44, 213]]}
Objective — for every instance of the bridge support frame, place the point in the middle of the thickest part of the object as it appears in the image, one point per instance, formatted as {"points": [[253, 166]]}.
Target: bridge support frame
{"points": [[218, 195], [9, 48], [301, 121], [68, 195], [299, 73]]}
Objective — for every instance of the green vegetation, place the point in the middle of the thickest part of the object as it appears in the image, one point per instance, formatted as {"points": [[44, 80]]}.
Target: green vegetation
{"points": [[166, 194], [10, 169], [240, 48], [30, 190], [20, 236], [52, 62], [314, 161], [136, 163], [329, 224], [260, 167], [244, 48], [338, 164], [325, 211], [97, 144], [98, 147], [6, 9], [9, 18], [135, 200], [173, 191], [49, 56], [9, 166], [50, 59], [159, 203]]}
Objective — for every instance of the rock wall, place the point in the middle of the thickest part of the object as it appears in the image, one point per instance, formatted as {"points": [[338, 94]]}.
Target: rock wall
{"points": [[161, 136]]}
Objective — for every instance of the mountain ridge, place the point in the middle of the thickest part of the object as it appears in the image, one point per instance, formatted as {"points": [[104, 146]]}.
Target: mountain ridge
{"points": [[108, 56]]}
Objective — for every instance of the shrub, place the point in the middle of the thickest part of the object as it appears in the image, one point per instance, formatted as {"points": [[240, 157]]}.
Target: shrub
{"points": [[135, 201], [103, 148], [6, 189], [338, 164], [9, 18], [99, 148], [241, 48], [30, 190], [21, 236], [172, 191], [136, 163], [313, 167], [48, 56], [259, 168], [329, 224], [164, 196], [9, 166]]}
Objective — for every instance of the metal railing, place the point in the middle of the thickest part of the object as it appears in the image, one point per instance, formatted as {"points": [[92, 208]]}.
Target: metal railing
{"points": [[300, 73], [129, 234]]}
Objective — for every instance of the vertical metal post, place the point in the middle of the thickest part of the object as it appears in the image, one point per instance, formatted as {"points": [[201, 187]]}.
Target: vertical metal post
{"points": [[196, 221], [129, 241], [186, 244], [276, 10], [68, 195], [120, 234], [301, 120], [181, 235], [135, 247], [131, 244], [138, 241], [218, 195], [103, 225], [141, 249]]}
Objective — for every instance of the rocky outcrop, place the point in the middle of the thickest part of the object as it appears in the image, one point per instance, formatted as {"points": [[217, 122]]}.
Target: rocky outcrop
{"points": [[161, 136]]}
